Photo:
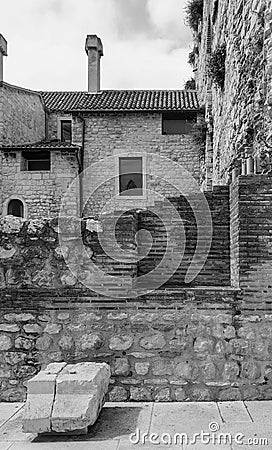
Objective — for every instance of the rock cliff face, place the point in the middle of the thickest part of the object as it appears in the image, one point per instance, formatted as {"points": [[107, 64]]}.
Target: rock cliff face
{"points": [[240, 113]]}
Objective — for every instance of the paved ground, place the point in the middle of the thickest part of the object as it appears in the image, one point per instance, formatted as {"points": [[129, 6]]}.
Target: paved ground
{"points": [[247, 422]]}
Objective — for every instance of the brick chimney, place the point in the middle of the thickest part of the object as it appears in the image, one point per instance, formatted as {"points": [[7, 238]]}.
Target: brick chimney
{"points": [[3, 52], [94, 50]]}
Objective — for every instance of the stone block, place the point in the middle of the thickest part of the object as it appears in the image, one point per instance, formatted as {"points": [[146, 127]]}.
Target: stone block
{"points": [[80, 393], [65, 398]]}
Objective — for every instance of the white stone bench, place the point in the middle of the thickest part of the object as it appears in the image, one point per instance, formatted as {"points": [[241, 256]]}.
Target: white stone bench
{"points": [[65, 398]]}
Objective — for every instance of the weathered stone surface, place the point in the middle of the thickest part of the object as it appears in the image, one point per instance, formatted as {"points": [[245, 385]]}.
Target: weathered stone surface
{"points": [[140, 394], [5, 342], [203, 345], [32, 328], [230, 394], [162, 395], [24, 343], [180, 395], [66, 342], [142, 368], [91, 342], [5, 373], [65, 397], [200, 394], [14, 358], [52, 328], [23, 317], [142, 355], [162, 367], [186, 370], [122, 342], [240, 347], [11, 224], [155, 341], [208, 370], [40, 398], [231, 370], [24, 371], [121, 367], [43, 342], [118, 394], [250, 370], [80, 394]]}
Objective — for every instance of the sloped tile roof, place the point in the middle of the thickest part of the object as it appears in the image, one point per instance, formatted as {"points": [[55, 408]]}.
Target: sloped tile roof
{"points": [[42, 145], [121, 101]]}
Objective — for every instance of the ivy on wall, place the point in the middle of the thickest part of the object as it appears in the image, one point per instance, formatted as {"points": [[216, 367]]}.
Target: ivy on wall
{"points": [[216, 65]]}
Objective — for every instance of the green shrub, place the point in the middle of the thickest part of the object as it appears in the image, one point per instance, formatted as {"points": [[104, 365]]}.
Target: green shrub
{"points": [[216, 66], [190, 85], [194, 13]]}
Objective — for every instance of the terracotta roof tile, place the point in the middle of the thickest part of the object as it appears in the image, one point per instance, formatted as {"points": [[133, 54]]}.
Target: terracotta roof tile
{"points": [[42, 145], [121, 101]]}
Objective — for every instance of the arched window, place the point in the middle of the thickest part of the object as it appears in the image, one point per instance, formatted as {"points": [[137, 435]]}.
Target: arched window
{"points": [[16, 208]]}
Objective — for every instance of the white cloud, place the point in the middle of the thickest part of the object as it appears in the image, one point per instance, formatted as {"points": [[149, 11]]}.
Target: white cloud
{"points": [[46, 43]]}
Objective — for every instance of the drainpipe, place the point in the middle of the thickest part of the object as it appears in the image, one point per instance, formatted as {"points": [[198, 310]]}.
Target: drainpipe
{"points": [[80, 160]]}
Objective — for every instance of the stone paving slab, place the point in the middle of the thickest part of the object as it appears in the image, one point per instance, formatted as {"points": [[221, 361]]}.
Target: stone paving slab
{"points": [[187, 418], [234, 412], [260, 411], [7, 410], [94, 445], [118, 420], [6, 445], [12, 430]]}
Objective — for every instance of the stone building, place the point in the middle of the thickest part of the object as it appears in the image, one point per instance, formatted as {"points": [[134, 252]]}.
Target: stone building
{"points": [[67, 296], [49, 139], [233, 67]]}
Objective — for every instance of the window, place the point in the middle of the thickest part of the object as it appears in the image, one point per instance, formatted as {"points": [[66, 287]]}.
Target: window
{"points": [[131, 176], [178, 123], [36, 161], [65, 130], [16, 208]]}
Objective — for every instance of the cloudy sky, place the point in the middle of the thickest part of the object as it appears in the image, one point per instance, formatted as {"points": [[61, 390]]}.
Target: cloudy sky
{"points": [[146, 43]]}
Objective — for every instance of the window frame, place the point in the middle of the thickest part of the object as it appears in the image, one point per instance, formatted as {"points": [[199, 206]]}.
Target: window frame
{"points": [[59, 131], [25, 161], [117, 178], [176, 114]]}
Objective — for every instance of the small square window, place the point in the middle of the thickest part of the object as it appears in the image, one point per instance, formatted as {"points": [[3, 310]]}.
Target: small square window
{"points": [[131, 177], [66, 130], [35, 161], [178, 123]]}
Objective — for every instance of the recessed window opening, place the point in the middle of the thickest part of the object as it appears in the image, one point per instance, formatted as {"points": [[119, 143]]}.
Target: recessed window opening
{"points": [[33, 161], [131, 176], [178, 123], [16, 208], [66, 130]]}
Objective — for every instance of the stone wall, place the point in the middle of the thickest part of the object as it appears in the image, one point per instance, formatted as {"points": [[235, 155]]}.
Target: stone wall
{"points": [[108, 135], [22, 116], [241, 112], [40, 191], [194, 345]]}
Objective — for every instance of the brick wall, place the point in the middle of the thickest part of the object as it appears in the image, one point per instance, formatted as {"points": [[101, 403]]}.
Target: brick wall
{"points": [[40, 191], [22, 116], [241, 113], [216, 271], [251, 242]]}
